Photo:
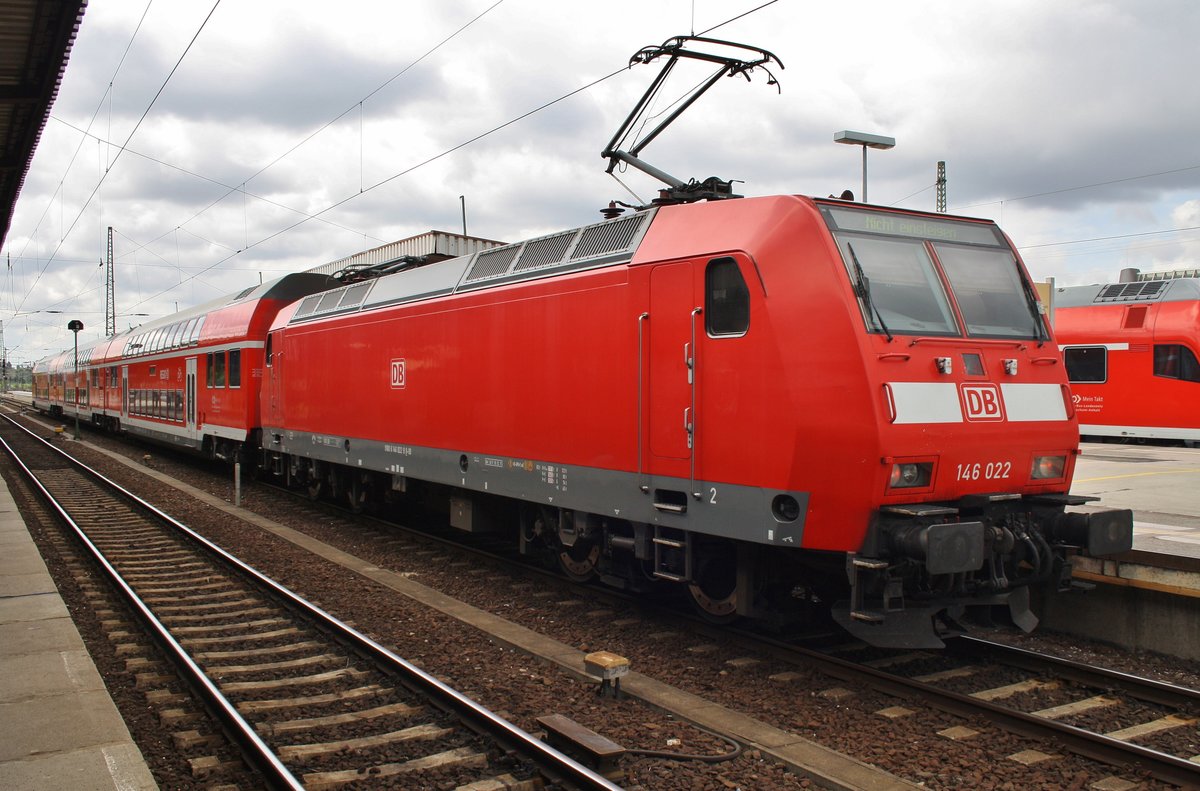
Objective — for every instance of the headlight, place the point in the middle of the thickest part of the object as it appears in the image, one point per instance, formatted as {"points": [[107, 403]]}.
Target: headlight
{"points": [[911, 475], [1048, 467]]}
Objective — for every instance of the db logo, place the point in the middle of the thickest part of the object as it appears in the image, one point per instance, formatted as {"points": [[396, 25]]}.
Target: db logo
{"points": [[981, 402], [398, 374]]}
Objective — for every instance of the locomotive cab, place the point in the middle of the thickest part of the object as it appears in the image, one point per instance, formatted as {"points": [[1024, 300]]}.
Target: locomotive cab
{"points": [[977, 433]]}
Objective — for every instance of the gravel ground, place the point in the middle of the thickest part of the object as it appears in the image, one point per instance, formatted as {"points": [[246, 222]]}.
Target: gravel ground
{"points": [[522, 689]]}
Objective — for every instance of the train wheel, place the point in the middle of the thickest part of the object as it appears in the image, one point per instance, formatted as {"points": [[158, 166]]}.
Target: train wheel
{"points": [[713, 591], [579, 562]]}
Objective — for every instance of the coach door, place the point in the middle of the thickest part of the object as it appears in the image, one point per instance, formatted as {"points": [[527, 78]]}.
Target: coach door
{"points": [[189, 397], [124, 393], [672, 356]]}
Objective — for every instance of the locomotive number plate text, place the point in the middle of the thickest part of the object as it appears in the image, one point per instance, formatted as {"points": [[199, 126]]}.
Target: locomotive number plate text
{"points": [[984, 471]]}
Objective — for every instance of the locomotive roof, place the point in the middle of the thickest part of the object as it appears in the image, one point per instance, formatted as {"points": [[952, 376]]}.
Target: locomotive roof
{"points": [[600, 244], [1140, 292]]}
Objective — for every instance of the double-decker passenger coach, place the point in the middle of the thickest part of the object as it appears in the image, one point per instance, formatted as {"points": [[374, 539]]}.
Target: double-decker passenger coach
{"points": [[1132, 352], [190, 379]]}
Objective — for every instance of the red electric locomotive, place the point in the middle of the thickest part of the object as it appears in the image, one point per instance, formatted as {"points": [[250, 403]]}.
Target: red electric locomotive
{"points": [[750, 398], [190, 379], [1132, 352]]}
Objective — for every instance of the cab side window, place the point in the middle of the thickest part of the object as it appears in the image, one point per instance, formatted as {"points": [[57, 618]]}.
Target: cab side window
{"points": [[726, 298]]}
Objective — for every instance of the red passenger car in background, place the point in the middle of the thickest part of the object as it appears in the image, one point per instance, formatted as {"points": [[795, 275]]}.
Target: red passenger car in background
{"points": [[1132, 352]]}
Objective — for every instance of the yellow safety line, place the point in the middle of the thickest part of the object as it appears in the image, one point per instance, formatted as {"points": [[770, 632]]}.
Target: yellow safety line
{"points": [[1136, 475]]}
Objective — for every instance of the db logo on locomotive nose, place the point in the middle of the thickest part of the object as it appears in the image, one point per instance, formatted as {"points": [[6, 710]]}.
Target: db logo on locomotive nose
{"points": [[981, 402], [398, 374]]}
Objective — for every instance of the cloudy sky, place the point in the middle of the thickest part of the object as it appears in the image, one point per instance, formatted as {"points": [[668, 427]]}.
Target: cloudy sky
{"points": [[229, 144]]}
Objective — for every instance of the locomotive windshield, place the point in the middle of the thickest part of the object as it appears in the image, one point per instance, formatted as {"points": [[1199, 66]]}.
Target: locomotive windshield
{"points": [[925, 276]]}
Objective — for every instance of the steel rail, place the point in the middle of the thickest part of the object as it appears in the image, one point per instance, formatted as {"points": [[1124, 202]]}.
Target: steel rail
{"points": [[1096, 746], [1161, 766], [554, 763], [1160, 692]]}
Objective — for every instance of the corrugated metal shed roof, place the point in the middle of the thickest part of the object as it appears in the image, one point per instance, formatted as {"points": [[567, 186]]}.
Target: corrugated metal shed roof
{"points": [[35, 43], [439, 243]]}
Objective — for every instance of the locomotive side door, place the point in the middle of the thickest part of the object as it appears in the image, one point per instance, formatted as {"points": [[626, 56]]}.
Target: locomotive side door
{"points": [[274, 390], [671, 421]]}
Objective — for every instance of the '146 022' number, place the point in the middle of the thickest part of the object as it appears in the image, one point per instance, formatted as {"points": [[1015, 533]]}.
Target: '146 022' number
{"points": [[992, 470]]}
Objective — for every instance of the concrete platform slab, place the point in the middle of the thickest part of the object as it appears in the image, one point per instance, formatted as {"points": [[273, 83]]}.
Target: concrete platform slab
{"points": [[59, 723], [13, 584], [21, 557], [43, 634], [113, 766], [48, 673], [34, 607]]}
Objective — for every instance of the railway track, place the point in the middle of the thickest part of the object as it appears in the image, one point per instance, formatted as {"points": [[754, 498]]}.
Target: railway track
{"points": [[310, 702], [1115, 718]]}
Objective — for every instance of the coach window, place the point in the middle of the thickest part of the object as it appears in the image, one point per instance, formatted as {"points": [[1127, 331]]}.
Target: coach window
{"points": [[270, 352], [219, 369], [235, 367], [1086, 363], [726, 298], [1173, 361]]}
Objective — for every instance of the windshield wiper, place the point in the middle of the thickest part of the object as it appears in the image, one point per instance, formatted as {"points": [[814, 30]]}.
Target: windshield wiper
{"points": [[1031, 301], [863, 288]]}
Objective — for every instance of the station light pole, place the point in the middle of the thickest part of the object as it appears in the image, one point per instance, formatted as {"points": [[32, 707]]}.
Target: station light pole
{"points": [[866, 141], [75, 326]]}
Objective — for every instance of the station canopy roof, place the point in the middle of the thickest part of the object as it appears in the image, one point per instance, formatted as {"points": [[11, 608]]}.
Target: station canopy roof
{"points": [[35, 43]]}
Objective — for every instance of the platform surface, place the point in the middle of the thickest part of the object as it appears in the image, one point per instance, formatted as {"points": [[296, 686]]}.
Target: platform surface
{"points": [[1160, 484], [59, 729]]}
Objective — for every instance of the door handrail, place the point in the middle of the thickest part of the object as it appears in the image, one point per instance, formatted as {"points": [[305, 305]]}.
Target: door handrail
{"points": [[643, 484], [692, 414]]}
